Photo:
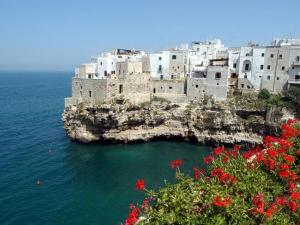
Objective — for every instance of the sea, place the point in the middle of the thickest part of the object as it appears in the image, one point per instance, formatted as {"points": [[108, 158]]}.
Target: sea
{"points": [[47, 179]]}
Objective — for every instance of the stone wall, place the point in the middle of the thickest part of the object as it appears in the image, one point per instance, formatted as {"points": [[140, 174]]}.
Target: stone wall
{"points": [[196, 88], [217, 86], [92, 91]]}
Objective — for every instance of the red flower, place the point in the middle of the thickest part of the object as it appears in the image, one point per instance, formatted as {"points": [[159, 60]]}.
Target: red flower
{"points": [[218, 150], [208, 159], [145, 202], [140, 185], [236, 148], [284, 173], [176, 163], [271, 210], [281, 201], [293, 175], [251, 152], [225, 159], [292, 186], [292, 206], [289, 131], [272, 153], [259, 202], [222, 176], [133, 215], [284, 166], [295, 195], [221, 202], [298, 153], [269, 163], [198, 172], [288, 158]]}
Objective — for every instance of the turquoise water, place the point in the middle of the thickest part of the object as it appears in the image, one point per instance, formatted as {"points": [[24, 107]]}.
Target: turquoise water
{"points": [[81, 184]]}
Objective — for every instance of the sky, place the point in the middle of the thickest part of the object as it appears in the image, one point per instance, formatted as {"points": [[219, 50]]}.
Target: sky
{"points": [[61, 34]]}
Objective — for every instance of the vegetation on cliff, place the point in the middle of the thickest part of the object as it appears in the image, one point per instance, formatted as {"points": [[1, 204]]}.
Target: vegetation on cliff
{"points": [[258, 186]]}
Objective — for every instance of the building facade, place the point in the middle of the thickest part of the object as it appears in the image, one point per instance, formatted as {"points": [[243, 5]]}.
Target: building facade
{"points": [[187, 73]]}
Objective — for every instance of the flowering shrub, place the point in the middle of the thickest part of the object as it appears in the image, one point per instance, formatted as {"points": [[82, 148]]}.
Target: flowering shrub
{"points": [[258, 186]]}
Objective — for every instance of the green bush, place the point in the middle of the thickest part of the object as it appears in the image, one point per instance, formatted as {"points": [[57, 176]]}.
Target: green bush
{"points": [[258, 186], [264, 94]]}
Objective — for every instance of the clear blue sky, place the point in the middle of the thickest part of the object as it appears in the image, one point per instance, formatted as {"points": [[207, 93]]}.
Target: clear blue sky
{"points": [[60, 34]]}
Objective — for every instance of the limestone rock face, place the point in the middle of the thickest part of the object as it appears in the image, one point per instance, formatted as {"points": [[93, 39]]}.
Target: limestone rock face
{"points": [[206, 123]]}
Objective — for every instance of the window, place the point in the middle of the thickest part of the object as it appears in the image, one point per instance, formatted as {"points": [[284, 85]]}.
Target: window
{"points": [[172, 77], [247, 66], [101, 63], [268, 77], [161, 77], [248, 87], [242, 85], [269, 67], [261, 67], [80, 86], [105, 73], [120, 88], [297, 77], [90, 93], [282, 68], [196, 85], [89, 76], [247, 54], [159, 68], [217, 76], [80, 93], [159, 58], [262, 54], [217, 83], [170, 87], [178, 67], [277, 78], [272, 55], [234, 65], [298, 58], [173, 57], [154, 90], [245, 76], [113, 72], [280, 56], [233, 75]]}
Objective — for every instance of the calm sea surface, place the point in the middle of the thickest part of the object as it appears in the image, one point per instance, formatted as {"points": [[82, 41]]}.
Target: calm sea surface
{"points": [[81, 184]]}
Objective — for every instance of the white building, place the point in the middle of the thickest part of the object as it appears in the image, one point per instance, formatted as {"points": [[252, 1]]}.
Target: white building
{"points": [[168, 64]]}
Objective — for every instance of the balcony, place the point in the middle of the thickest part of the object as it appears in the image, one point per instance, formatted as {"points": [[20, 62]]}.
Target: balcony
{"points": [[297, 63], [294, 81]]}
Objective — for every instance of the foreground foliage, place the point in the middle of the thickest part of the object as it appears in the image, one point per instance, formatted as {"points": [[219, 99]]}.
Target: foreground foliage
{"points": [[258, 186]]}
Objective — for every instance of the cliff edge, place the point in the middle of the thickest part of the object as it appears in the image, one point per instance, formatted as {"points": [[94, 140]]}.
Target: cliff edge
{"points": [[203, 121]]}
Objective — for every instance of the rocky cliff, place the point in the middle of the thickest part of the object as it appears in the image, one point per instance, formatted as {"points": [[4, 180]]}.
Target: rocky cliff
{"points": [[203, 121]]}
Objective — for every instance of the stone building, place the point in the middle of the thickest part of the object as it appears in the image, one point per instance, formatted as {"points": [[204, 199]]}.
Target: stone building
{"points": [[212, 82], [168, 64]]}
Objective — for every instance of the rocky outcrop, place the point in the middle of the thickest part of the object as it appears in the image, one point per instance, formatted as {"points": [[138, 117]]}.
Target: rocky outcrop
{"points": [[204, 122]]}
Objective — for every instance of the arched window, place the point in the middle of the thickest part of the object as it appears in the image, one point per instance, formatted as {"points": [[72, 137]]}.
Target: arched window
{"points": [[247, 65]]}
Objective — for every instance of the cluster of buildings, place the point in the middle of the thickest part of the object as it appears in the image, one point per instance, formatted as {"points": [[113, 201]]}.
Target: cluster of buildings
{"points": [[188, 72]]}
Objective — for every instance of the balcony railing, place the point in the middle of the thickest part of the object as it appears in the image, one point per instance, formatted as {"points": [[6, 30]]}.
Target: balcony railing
{"points": [[297, 63], [294, 81]]}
